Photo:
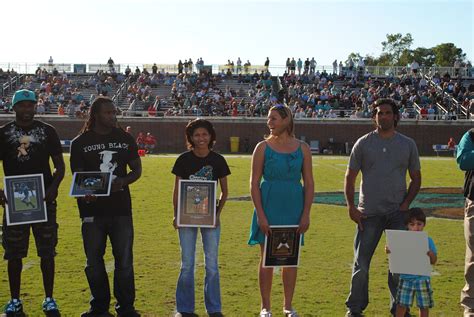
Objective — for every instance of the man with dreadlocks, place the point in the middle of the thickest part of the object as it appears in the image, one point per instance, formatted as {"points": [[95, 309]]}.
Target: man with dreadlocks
{"points": [[103, 146]]}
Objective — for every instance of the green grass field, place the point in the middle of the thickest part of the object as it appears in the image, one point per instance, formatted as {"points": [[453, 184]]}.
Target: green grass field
{"points": [[325, 264]]}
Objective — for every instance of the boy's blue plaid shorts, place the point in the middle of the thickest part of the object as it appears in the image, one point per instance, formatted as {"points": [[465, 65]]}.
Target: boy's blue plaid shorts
{"points": [[407, 289]]}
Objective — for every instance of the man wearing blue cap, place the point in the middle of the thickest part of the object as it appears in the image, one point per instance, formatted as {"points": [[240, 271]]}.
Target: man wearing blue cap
{"points": [[25, 148]]}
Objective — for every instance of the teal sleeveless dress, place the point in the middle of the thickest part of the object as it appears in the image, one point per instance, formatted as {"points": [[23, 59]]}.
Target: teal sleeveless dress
{"points": [[281, 191]]}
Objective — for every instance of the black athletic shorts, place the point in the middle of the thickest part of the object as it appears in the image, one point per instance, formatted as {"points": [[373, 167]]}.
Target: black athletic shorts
{"points": [[15, 239]]}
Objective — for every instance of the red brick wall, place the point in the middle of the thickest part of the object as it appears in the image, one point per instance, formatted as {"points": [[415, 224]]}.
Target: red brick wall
{"points": [[170, 131]]}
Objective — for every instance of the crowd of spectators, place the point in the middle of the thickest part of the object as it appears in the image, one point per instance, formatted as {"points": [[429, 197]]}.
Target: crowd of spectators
{"points": [[57, 93], [200, 94], [346, 91]]}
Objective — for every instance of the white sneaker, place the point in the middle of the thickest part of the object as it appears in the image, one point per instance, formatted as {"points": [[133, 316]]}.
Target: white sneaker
{"points": [[290, 313], [265, 313]]}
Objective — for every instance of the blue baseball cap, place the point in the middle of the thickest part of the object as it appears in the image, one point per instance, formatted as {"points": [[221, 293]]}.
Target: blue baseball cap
{"points": [[22, 95]]}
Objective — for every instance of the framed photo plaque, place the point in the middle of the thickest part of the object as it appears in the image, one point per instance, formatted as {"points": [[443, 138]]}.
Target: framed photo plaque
{"points": [[25, 197], [196, 203], [282, 247], [91, 183]]}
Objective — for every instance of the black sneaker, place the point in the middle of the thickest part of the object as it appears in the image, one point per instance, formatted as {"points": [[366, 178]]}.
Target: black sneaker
{"points": [[217, 314], [132, 313], [353, 314], [94, 313]]}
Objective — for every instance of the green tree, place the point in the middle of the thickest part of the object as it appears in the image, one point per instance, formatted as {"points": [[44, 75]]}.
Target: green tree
{"points": [[447, 53], [354, 56], [370, 60], [395, 45], [424, 56]]}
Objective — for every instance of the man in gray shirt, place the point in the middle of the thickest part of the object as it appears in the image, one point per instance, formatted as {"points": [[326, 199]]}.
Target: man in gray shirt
{"points": [[383, 156]]}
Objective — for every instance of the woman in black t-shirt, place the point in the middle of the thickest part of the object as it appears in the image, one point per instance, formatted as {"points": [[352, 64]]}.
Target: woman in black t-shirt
{"points": [[200, 163]]}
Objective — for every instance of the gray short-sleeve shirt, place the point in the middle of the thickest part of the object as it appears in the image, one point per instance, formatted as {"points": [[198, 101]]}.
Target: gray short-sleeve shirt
{"points": [[384, 164]]}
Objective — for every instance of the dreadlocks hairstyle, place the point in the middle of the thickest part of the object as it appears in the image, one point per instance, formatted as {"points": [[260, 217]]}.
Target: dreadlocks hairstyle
{"points": [[391, 103], [199, 123], [93, 111]]}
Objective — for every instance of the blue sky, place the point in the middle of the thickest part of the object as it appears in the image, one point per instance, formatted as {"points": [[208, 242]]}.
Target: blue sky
{"points": [[148, 31]]}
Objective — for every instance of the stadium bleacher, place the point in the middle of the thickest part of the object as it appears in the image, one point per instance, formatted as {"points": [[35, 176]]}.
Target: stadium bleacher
{"points": [[310, 95]]}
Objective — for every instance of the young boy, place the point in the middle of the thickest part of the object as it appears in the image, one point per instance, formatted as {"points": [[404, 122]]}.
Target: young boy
{"points": [[411, 285]]}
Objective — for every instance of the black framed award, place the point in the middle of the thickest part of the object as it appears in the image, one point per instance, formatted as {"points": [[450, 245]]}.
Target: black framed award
{"points": [[196, 203], [25, 199], [282, 247], [91, 183]]}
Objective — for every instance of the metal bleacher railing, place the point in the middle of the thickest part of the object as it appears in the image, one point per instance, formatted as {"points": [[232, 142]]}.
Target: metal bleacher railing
{"points": [[11, 84], [30, 68]]}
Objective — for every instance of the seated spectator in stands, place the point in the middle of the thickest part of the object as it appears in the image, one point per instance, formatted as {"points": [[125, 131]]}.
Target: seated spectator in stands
{"points": [[331, 114], [77, 95], [40, 108], [71, 109], [431, 113], [319, 114], [150, 143], [106, 89], [151, 111], [83, 107], [423, 113], [452, 114], [234, 110], [5, 104], [299, 113], [359, 114], [405, 114], [61, 110]]}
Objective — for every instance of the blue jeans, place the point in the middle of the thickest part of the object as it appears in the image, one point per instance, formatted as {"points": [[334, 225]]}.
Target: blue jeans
{"points": [[185, 286], [365, 244], [119, 229]]}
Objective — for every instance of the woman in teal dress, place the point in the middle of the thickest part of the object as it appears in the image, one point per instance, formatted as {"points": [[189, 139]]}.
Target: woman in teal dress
{"points": [[278, 163]]}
